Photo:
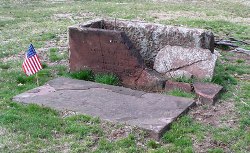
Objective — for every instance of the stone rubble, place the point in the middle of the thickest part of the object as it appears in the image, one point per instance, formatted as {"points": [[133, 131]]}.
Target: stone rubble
{"points": [[171, 85], [207, 93], [197, 62], [130, 48]]}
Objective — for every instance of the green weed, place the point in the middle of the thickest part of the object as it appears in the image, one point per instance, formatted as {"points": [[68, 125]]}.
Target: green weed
{"points": [[83, 75], [110, 79], [25, 79], [180, 93], [153, 144], [184, 79], [240, 61]]}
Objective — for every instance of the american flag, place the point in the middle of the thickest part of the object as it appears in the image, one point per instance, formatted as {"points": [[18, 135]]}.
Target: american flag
{"points": [[31, 64]]}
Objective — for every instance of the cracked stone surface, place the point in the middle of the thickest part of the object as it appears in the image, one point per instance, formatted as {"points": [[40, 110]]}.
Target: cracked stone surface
{"points": [[150, 38], [176, 60], [130, 48], [150, 111], [109, 51], [171, 85], [150, 80]]}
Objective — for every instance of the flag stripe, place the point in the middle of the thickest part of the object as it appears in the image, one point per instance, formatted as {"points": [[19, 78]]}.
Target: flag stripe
{"points": [[29, 67], [28, 72], [39, 63], [31, 64], [24, 68], [34, 64]]}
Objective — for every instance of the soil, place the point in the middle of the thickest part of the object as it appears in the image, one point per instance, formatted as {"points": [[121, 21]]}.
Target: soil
{"points": [[213, 115]]}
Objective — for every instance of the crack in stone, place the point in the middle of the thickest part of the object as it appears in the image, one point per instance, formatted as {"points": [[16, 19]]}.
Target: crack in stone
{"points": [[119, 92], [139, 77], [101, 47], [174, 69]]}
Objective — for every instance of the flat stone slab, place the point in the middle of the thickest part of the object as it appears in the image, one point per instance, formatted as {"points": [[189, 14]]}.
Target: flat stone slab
{"points": [[150, 111], [207, 93]]}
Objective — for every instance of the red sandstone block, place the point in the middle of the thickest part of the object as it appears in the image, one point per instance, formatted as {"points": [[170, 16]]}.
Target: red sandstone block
{"points": [[207, 93], [150, 80], [170, 85]]}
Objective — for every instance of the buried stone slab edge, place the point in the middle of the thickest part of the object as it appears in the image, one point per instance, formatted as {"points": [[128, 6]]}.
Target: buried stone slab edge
{"points": [[156, 124]]}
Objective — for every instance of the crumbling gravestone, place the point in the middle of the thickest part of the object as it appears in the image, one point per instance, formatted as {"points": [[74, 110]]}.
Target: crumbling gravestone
{"points": [[143, 55]]}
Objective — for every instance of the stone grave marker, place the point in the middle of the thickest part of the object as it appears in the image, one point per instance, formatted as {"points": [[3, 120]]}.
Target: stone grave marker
{"points": [[137, 51], [150, 111]]}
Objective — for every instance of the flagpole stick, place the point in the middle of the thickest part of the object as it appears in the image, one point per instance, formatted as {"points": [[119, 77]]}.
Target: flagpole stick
{"points": [[37, 81]]}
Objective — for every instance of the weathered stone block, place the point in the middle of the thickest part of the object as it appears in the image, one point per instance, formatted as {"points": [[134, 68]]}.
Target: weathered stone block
{"points": [[150, 81], [126, 48], [170, 85], [195, 61], [150, 38], [179, 74], [207, 93], [150, 111], [104, 51]]}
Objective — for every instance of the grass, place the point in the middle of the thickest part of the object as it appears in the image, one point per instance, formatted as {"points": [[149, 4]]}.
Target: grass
{"points": [[54, 55], [88, 75], [240, 61], [222, 76], [184, 79], [180, 93], [31, 121], [83, 75], [32, 128], [215, 150], [110, 79], [220, 27], [180, 134], [4, 66]]}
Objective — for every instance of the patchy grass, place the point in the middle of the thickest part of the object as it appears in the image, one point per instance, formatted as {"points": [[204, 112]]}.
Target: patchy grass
{"points": [[180, 134], [215, 150], [180, 93], [4, 66], [153, 144], [184, 79], [33, 121], [31, 128], [88, 75], [240, 61], [110, 79], [54, 55], [220, 27], [222, 76], [83, 75]]}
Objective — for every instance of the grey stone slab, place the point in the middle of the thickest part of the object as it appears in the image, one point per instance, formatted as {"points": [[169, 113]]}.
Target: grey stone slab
{"points": [[150, 111]]}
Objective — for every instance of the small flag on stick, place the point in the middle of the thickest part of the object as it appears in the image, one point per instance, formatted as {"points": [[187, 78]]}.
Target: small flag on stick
{"points": [[31, 64]]}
